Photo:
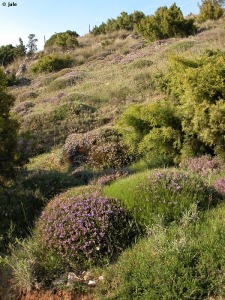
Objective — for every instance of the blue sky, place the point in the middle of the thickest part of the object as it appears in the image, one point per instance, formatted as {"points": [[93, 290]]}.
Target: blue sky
{"points": [[46, 17]]}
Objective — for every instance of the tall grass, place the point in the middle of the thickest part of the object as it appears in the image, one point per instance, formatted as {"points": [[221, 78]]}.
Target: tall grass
{"points": [[184, 261]]}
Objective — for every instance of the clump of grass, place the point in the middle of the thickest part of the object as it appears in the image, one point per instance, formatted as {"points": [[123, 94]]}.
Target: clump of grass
{"points": [[183, 261], [161, 192]]}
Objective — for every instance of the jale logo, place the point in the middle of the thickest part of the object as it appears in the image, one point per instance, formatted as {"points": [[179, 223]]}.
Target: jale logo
{"points": [[9, 4]]}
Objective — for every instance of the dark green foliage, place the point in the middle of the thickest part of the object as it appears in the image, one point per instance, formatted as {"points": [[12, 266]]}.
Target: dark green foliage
{"points": [[124, 21], [63, 40], [8, 131], [210, 10], [7, 54], [53, 62], [20, 50], [166, 23]]}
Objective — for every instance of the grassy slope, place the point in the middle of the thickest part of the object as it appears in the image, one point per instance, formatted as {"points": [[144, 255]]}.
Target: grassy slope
{"points": [[114, 74]]}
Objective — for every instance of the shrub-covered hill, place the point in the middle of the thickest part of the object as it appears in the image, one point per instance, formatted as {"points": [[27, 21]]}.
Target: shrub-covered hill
{"points": [[98, 80], [112, 105]]}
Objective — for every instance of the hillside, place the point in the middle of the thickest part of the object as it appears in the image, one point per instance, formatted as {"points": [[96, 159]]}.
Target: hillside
{"points": [[75, 138]]}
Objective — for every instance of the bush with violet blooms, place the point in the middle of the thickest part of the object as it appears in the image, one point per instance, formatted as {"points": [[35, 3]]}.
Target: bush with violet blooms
{"points": [[101, 148], [203, 165], [86, 229], [167, 193], [219, 185]]}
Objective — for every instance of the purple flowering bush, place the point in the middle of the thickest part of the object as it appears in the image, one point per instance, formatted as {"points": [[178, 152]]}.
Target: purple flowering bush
{"points": [[161, 192], [101, 148], [86, 229], [203, 165], [108, 178], [219, 185]]}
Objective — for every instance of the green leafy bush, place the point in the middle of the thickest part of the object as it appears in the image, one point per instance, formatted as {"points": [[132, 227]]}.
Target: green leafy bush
{"points": [[8, 131], [50, 63], [161, 192], [62, 40], [86, 230], [124, 21], [200, 101], [210, 10], [152, 131], [166, 23]]}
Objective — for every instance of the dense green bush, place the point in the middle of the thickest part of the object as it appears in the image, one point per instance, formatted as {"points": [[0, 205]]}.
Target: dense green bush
{"points": [[53, 62], [8, 131], [200, 101], [210, 10], [86, 230], [62, 40], [124, 21], [180, 262], [161, 192], [166, 23], [152, 131]]}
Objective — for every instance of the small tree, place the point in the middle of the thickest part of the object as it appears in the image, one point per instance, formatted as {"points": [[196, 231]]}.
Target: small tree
{"points": [[32, 46], [210, 10], [7, 54], [20, 50]]}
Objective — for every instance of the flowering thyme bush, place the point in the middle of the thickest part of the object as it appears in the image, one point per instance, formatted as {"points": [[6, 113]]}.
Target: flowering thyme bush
{"points": [[101, 148], [219, 185], [203, 165], [86, 230], [161, 192], [107, 179]]}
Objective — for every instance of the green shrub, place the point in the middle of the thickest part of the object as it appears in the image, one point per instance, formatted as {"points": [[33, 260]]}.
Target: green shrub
{"points": [[199, 95], [166, 23], [62, 40], [152, 131], [180, 262], [50, 63], [161, 192], [86, 230], [8, 131], [210, 10]]}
